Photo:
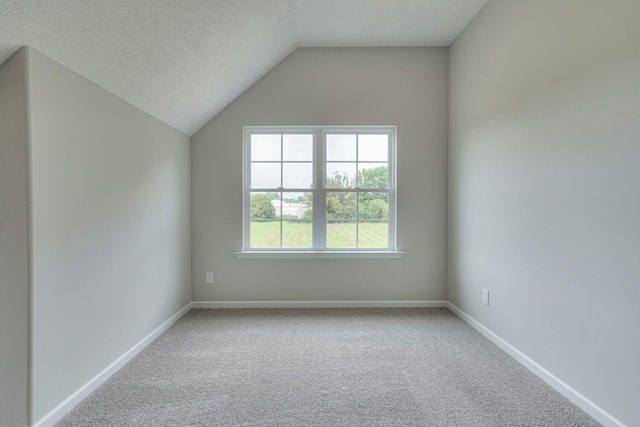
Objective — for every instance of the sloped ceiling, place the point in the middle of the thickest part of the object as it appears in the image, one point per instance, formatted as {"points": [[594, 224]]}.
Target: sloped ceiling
{"points": [[183, 61]]}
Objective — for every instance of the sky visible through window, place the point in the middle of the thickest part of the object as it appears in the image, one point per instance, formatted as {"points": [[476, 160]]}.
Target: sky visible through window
{"points": [[342, 150]]}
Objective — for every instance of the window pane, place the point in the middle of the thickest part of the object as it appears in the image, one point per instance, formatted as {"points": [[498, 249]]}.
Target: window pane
{"points": [[297, 148], [341, 206], [373, 220], [265, 147], [296, 233], [304, 199], [265, 175], [297, 214], [341, 175], [265, 221], [297, 175], [265, 234], [373, 206], [373, 148], [341, 147], [373, 234], [264, 206], [341, 220], [341, 234], [297, 205], [373, 175]]}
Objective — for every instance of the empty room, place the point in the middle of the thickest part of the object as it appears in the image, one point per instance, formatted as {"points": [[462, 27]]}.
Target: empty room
{"points": [[319, 213]]}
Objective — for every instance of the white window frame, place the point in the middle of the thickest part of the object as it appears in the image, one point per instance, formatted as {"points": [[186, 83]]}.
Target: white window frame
{"points": [[319, 249]]}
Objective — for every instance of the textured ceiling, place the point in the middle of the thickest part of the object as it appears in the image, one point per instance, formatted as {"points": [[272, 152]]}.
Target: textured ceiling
{"points": [[183, 61]]}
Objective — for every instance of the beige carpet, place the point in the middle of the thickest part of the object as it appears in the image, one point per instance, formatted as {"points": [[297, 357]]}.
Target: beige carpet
{"points": [[324, 367]]}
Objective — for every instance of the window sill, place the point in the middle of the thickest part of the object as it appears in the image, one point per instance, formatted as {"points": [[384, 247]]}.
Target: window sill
{"points": [[317, 254]]}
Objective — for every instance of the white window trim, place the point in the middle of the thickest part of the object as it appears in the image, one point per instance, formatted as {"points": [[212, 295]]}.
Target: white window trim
{"points": [[319, 215], [289, 254]]}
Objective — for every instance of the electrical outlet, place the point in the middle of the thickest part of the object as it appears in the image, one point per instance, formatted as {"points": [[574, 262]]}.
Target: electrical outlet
{"points": [[209, 278], [485, 296]]}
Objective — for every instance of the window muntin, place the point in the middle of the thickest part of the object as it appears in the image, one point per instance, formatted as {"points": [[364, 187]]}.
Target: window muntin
{"points": [[352, 208]]}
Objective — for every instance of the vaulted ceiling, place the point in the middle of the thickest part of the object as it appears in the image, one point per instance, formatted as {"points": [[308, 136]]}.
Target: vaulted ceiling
{"points": [[183, 61]]}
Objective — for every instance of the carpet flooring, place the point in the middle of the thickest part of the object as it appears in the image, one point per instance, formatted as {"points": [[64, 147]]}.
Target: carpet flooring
{"points": [[324, 367]]}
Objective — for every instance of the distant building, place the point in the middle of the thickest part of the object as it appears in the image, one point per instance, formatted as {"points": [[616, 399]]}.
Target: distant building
{"points": [[292, 209]]}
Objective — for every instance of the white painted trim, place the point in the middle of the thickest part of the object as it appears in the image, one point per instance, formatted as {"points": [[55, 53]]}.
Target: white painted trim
{"points": [[599, 414], [318, 189], [317, 254], [83, 392], [319, 304]]}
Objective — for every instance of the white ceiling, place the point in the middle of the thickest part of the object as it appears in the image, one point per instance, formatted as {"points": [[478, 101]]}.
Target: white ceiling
{"points": [[183, 61]]}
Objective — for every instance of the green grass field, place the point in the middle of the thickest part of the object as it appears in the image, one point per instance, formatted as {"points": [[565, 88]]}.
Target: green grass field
{"points": [[298, 235]]}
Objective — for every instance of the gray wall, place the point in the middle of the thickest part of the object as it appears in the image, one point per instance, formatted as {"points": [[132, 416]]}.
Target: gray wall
{"points": [[406, 87], [14, 241], [544, 187], [111, 229]]}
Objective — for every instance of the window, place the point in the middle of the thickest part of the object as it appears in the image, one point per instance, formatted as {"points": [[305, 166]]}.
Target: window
{"points": [[319, 189]]}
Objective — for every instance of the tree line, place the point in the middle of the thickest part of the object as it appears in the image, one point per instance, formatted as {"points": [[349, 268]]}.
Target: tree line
{"points": [[371, 205]]}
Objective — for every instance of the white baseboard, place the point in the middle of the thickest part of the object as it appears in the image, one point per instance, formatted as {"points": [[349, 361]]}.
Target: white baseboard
{"points": [[563, 388], [318, 304], [69, 403]]}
